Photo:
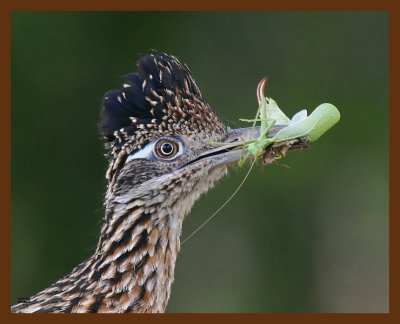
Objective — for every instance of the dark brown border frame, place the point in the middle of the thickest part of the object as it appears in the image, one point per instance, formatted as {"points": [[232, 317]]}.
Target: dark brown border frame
{"points": [[9, 6]]}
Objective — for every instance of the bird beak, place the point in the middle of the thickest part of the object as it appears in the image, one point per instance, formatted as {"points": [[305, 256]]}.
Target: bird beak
{"points": [[231, 150]]}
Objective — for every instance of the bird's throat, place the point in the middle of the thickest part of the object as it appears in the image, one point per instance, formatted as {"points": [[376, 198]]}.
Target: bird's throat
{"points": [[140, 241]]}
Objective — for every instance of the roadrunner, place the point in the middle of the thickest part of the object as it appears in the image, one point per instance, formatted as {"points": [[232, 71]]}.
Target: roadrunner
{"points": [[159, 134]]}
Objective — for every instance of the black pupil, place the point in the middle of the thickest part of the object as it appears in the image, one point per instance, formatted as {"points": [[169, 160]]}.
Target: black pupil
{"points": [[166, 148]]}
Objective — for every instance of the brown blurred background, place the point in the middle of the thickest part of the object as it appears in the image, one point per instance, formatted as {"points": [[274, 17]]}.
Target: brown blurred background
{"points": [[309, 238]]}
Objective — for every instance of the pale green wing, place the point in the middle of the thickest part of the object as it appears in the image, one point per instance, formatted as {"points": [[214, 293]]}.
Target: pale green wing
{"points": [[314, 126]]}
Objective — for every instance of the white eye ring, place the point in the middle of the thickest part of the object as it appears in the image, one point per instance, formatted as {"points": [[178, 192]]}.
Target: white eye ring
{"points": [[166, 149]]}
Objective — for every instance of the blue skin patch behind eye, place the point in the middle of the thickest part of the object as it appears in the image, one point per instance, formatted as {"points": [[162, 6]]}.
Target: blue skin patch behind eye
{"points": [[147, 152]]}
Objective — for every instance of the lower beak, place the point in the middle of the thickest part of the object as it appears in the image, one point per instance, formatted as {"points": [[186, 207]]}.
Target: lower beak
{"points": [[231, 150]]}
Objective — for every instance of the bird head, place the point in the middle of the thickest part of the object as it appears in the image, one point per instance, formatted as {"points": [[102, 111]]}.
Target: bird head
{"points": [[158, 127], [161, 134]]}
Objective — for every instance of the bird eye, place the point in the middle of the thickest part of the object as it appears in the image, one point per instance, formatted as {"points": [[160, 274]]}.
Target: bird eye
{"points": [[166, 149]]}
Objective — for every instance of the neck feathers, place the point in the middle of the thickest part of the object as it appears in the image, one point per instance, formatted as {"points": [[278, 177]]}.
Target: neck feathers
{"points": [[132, 269]]}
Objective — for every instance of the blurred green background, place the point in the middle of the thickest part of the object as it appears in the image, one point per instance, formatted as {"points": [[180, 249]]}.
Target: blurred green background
{"points": [[309, 238]]}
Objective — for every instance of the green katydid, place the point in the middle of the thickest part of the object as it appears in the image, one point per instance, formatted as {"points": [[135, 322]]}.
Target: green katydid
{"points": [[300, 128], [269, 114]]}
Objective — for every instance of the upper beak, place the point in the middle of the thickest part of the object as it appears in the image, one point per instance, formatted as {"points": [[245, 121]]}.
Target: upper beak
{"points": [[231, 150]]}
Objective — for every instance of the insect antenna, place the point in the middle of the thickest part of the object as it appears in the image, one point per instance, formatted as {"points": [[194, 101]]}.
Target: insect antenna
{"points": [[223, 205]]}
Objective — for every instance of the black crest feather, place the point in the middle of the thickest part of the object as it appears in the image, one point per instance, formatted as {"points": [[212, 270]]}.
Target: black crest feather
{"points": [[156, 74]]}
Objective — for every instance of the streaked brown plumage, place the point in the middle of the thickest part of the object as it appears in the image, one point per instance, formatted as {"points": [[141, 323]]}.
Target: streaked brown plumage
{"points": [[159, 133]]}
